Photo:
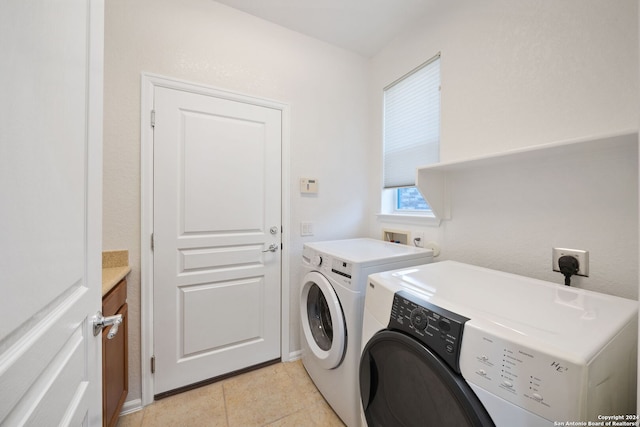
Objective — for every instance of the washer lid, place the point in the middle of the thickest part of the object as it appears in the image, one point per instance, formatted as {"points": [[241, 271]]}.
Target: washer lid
{"points": [[323, 322]]}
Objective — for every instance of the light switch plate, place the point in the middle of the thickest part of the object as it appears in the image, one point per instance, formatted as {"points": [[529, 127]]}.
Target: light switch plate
{"points": [[306, 228]]}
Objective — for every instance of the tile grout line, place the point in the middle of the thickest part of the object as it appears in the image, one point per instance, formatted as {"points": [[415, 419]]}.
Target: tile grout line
{"points": [[224, 400], [298, 389], [144, 412]]}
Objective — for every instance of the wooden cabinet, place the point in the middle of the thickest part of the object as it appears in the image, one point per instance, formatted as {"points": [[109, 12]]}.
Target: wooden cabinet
{"points": [[115, 375]]}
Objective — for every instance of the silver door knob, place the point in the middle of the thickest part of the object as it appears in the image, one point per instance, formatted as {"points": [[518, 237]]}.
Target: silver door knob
{"points": [[273, 230], [272, 248], [100, 322]]}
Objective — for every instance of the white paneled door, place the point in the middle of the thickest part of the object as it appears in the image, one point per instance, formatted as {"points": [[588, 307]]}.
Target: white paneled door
{"points": [[50, 212], [217, 236]]}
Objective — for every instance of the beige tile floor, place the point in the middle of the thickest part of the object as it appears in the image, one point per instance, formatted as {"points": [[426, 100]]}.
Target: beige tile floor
{"points": [[280, 395]]}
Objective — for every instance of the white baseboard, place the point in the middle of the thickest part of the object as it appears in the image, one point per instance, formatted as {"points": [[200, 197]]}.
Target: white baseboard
{"points": [[294, 355], [131, 406]]}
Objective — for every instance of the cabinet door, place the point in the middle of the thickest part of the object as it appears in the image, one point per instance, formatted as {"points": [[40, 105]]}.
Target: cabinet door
{"points": [[115, 380]]}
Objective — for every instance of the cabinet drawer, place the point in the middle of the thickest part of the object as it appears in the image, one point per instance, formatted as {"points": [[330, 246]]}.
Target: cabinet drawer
{"points": [[116, 297]]}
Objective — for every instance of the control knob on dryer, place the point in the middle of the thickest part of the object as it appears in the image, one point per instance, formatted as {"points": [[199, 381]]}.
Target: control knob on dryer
{"points": [[316, 261], [419, 319]]}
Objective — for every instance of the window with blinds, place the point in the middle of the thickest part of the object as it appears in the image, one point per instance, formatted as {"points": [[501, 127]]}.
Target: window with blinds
{"points": [[411, 129]]}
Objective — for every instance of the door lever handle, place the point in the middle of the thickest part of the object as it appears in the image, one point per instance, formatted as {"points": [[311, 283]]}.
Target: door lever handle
{"points": [[100, 322], [272, 248]]}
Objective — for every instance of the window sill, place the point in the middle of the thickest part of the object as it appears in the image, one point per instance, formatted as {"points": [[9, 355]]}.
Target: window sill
{"points": [[429, 220]]}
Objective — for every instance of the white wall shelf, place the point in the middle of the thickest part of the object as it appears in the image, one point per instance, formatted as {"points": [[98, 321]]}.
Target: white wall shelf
{"points": [[433, 181]]}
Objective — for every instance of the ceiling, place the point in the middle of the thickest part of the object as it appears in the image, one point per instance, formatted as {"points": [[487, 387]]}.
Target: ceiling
{"points": [[361, 26]]}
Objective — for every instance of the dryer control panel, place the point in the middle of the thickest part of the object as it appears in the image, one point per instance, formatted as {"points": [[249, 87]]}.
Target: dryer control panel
{"points": [[438, 329], [527, 377]]}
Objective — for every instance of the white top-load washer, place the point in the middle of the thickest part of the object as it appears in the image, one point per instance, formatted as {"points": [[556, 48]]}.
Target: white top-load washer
{"points": [[453, 344], [331, 306]]}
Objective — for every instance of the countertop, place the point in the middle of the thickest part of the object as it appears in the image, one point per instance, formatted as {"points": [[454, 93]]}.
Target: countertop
{"points": [[115, 267]]}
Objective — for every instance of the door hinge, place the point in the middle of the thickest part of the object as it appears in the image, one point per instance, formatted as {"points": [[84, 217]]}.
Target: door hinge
{"points": [[153, 118], [153, 364], [152, 242]]}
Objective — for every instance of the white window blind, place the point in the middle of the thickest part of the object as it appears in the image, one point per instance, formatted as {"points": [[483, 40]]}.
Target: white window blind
{"points": [[411, 124]]}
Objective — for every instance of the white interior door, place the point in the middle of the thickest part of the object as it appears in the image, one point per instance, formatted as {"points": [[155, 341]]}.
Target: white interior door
{"points": [[50, 214], [217, 209]]}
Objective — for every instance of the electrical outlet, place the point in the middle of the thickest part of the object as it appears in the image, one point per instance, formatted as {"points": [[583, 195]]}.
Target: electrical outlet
{"points": [[580, 255]]}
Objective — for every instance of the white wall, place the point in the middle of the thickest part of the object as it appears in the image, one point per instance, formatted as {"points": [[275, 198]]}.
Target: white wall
{"points": [[514, 74], [204, 42], [519, 74]]}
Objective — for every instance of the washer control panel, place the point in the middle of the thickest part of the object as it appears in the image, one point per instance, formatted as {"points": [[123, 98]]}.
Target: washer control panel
{"points": [[342, 268], [337, 269], [438, 329], [527, 377]]}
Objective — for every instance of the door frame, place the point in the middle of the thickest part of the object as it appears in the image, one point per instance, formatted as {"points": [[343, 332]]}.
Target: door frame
{"points": [[148, 84]]}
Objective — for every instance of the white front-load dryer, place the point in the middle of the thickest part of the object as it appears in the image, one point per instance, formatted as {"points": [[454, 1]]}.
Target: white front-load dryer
{"points": [[450, 344], [331, 306]]}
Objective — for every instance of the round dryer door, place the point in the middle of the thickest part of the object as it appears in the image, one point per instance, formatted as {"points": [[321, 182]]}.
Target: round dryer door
{"points": [[402, 382], [322, 320]]}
